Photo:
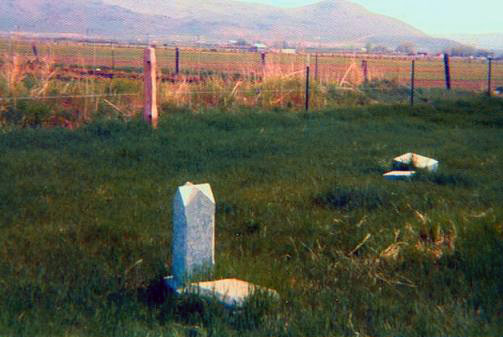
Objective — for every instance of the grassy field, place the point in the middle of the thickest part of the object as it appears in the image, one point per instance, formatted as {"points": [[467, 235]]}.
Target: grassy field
{"points": [[85, 223]]}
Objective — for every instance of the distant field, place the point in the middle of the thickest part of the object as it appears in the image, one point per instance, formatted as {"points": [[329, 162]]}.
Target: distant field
{"points": [[85, 222], [466, 74]]}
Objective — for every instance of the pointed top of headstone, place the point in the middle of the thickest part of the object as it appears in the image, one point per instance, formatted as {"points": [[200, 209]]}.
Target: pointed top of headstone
{"points": [[189, 191], [193, 232]]}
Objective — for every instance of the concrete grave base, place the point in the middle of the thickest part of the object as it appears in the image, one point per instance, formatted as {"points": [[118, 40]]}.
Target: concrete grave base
{"points": [[413, 160], [231, 292], [399, 175]]}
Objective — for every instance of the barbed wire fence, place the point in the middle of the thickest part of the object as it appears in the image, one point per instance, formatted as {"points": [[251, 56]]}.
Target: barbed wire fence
{"points": [[94, 72]]}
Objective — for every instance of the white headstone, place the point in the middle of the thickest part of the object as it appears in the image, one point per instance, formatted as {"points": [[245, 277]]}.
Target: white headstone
{"points": [[193, 232], [413, 160], [194, 250]]}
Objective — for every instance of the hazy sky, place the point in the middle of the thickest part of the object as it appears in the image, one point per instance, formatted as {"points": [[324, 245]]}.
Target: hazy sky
{"points": [[435, 17]]}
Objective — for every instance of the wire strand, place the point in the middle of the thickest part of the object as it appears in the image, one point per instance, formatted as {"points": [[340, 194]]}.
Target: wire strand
{"points": [[64, 96]]}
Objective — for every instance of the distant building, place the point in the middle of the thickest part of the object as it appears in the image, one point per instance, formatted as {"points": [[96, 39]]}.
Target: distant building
{"points": [[288, 51], [258, 47]]}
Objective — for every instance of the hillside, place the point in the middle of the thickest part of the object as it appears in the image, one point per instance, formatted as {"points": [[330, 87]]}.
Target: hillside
{"points": [[486, 41], [331, 22], [77, 16], [328, 21]]}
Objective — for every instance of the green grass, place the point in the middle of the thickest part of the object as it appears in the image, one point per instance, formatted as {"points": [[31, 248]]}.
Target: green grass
{"points": [[85, 223]]}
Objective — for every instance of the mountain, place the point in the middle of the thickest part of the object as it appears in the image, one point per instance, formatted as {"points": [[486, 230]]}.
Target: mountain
{"points": [[329, 22], [492, 41], [77, 16]]}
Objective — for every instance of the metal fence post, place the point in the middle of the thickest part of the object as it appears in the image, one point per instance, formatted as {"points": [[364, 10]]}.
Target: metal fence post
{"points": [[263, 63], [412, 81], [447, 72], [177, 61], [113, 58], [34, 50], [307, 87], [489, 76]]}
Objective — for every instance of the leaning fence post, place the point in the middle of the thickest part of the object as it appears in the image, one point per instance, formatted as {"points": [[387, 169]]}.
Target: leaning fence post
{"points": [[489, 76], [34, 50], [447, 72], [412, 81], [150, 114]]}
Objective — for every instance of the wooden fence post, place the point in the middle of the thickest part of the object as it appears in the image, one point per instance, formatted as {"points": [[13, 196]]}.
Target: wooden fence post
{"points": [[150, 114], [447, 72], [316, 68]]}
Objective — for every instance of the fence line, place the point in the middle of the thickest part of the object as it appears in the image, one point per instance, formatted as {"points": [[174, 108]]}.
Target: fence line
{"points": [[262, 67], [63, 96]]}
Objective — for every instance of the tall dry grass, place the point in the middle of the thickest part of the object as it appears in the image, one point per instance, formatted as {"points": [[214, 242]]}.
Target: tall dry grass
{"points": [[278, 84], [30, 84], [266, 87]]}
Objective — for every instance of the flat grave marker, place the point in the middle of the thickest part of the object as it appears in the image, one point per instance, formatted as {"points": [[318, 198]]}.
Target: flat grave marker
{"points": [[399, 175]]}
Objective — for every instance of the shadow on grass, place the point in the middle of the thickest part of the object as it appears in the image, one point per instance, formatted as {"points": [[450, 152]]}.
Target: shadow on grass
{"points": [[454, 179], [215, 317]]}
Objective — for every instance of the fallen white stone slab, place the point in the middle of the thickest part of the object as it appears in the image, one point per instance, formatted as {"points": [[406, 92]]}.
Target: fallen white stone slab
{"points": [[413, 160], [399, 175], [231, 292]]}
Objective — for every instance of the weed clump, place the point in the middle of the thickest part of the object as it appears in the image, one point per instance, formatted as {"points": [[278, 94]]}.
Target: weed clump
{"points": [[385, 91], [341, 96]]}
